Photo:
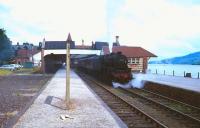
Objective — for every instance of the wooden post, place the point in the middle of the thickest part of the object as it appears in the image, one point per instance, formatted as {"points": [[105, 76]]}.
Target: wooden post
{"points": [[198, 75], [173, 72], [184, 73], [67, 95], [156, 71], [42, 56], [164, 72]]}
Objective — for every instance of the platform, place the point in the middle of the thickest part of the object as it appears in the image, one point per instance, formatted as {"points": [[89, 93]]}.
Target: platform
{"points": [[87, 109], [191, 84], [183, 89]]}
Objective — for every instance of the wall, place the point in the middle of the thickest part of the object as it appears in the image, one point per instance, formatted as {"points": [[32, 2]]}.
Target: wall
{"points": [[145, 64], [137, 67]]}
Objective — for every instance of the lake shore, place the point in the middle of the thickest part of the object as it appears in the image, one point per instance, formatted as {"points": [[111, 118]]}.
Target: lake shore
{"points": [[174, 69]]}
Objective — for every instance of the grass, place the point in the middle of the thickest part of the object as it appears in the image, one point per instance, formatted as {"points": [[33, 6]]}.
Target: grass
{"points": [[4, 72], [37, 70], [34, 70], [10, 114], [28, 70], [17, 93]]}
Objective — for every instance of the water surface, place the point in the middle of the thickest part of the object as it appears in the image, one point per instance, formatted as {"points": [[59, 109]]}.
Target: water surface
{"points": [[178, 69]]}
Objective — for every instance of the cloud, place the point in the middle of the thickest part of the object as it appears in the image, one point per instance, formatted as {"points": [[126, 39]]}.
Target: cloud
{"points": [[164, 27], [158, 24], [54, 19]]}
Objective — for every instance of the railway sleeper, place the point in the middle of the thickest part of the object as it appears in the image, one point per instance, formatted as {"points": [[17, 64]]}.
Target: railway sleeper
{"points": [[131, 118], [138, 123], [166, 109], [138, 114], [158, 115], [119, 108], [126, 114], [182, 107], [142, 125]]}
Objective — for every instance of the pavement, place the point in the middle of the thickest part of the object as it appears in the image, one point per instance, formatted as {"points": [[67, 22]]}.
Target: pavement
{"points": [[87, 110], [174, 81]]}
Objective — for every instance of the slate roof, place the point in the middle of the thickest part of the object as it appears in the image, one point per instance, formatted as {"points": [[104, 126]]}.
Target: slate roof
{"points": [[83, 47], [99, 45], [58, 45]]}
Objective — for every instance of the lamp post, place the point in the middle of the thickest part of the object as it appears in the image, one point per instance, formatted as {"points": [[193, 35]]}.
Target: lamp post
{"points": [[67, 95], [42, 56]]}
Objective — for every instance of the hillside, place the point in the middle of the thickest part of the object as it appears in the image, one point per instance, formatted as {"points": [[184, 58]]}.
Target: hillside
{"points": [[193, 58]]}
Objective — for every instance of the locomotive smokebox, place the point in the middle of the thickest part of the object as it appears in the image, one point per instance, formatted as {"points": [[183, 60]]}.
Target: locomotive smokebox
{"points": [[119, 53]]}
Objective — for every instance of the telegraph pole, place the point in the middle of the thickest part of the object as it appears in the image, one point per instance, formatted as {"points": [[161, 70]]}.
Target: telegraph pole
{"points": [[67, 95]]}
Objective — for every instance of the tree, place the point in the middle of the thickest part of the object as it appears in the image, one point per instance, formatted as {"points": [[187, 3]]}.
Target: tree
{"points": [[6, 51]]}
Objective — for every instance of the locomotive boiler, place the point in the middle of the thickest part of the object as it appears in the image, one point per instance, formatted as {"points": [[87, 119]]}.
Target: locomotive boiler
{"points": [[108, 68]]}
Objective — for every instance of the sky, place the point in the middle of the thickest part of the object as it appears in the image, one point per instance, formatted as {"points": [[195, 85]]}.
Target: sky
{"points": [[166, 28]]}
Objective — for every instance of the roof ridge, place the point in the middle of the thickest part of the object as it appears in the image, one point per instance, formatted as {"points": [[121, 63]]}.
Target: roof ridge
{"points": [[131, 51], [56, 41], [129, 46]]}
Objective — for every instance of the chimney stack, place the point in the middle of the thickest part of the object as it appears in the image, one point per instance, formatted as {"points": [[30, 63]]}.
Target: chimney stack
{"points": [[117, 39], [82, 42], [92, 45]]}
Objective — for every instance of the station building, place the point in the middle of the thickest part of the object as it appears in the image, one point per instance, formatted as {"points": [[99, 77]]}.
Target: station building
{"points": [[55, 53], [137, 56]]}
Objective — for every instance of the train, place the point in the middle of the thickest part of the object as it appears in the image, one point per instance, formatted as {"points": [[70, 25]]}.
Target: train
{"points": [[53, 62], [108, 68]]}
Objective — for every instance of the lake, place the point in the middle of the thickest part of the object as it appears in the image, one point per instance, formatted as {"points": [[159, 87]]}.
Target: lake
{"points": [[178, 69]]}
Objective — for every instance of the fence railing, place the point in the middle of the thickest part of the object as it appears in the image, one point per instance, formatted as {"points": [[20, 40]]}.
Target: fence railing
{"points": [[173, 73]]}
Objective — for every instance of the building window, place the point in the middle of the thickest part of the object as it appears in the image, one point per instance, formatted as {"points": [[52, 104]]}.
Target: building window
{"points": [[133, 60]]}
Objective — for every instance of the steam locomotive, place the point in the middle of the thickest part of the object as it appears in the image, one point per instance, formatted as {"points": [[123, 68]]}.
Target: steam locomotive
{"points": [[108, 68]]}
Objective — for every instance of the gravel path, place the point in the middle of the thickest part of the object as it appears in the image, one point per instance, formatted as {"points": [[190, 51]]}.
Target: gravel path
{"points": [[16, 91]]}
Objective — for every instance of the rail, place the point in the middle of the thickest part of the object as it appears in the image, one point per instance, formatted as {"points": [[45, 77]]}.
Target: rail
{"points": [[124, 99], [188, 111]]}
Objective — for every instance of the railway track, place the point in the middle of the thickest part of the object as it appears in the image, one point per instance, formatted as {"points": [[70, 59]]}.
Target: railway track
{"points": [[140, 108], [168, 111], [132, 116], [186, 110]]}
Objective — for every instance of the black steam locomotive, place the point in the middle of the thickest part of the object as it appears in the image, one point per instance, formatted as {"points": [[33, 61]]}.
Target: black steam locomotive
{"points": [[109, 68]]}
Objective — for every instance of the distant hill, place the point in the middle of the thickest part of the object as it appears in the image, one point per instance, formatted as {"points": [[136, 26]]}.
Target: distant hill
{"points": [[193, 58]]}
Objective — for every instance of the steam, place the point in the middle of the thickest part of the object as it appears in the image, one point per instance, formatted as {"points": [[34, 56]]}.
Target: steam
{"points": [[136, 82], [116, 85]]}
